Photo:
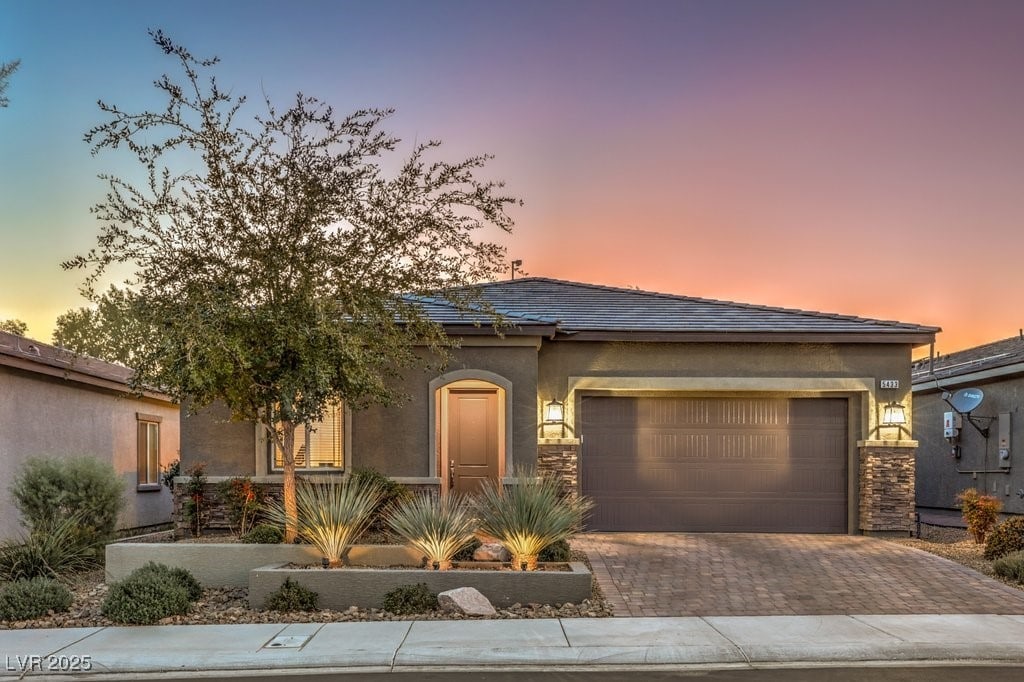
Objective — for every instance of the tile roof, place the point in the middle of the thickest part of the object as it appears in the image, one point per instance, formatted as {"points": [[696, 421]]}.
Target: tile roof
{"points": [[987, 356], [31, 355], [581, 308], [476, 313]]}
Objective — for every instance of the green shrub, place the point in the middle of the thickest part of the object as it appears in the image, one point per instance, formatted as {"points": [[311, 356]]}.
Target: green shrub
{"points": [[330, 515], [408, 599], [264, 534], [144, 597], [529, 514], [47, 490], [177, 574], [170, 472], [1010, 566], [194, 507], [437, 526], [556, 551], [32, 598], [291, 596], [980, 512], [1005, 538], [466, 553], [49, 550]]}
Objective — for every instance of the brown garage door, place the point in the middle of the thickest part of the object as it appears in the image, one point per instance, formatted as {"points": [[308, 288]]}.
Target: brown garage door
{"points": [[715, 464]]}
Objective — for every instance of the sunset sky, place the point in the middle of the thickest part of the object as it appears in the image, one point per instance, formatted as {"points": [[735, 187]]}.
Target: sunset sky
{"points": [[858, 157]]}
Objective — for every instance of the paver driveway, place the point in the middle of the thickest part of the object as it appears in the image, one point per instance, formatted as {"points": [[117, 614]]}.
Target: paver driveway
{"points": [[712, 574]]}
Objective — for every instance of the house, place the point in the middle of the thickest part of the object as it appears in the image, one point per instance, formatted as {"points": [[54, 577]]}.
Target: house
{"points": [[980, 453], [672, 413], [56, 404]]}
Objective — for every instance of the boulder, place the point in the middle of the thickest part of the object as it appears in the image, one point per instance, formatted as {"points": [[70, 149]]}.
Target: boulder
{"points": [[491, 551], [465, 600]]}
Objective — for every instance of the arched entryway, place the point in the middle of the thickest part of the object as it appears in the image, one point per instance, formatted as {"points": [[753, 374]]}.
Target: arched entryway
{"points": [[470, 429]]}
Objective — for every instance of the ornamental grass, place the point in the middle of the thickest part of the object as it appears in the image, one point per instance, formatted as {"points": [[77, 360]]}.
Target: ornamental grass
{"points": [[529, 514], [330, 516], [50, 550], [437, 526]]}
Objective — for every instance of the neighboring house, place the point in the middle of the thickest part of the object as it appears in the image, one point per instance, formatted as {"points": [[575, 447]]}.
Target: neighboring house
{"points": [[947, 466], [56, 404], [673, 413]]}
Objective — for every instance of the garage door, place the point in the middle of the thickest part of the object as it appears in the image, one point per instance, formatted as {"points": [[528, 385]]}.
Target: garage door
{"points": [[715, 464]]}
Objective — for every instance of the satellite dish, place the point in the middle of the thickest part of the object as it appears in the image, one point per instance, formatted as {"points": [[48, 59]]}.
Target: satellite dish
{"points": [[967, 399]]}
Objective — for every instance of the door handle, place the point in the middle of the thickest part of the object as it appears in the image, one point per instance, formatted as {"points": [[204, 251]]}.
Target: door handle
{"points": [[451, 474]]}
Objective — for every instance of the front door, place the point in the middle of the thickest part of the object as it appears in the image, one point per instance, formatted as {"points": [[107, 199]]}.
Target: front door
{"points": [[472, 438]]}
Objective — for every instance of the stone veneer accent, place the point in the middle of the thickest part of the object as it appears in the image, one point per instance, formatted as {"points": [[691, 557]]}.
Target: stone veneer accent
{"points": [[887, 488], [216, 512], [561, 461]]}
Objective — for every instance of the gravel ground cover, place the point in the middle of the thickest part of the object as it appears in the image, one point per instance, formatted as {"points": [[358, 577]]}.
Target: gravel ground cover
{"points": [[956, 545], [231, 606]]}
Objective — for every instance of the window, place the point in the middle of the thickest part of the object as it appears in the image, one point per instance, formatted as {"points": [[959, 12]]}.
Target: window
{"points": [[322, 446], [148, 451]]}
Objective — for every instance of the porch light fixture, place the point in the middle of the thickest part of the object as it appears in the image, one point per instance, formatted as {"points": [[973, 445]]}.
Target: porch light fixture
{"points": [[554, 413], [894, 414]]}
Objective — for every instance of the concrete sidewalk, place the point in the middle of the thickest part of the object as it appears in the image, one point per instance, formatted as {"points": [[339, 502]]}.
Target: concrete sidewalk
{"points": [[579, 643]]}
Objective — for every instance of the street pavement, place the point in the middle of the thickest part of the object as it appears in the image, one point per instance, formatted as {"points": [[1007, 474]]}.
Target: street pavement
{"points": [[681, 643]]}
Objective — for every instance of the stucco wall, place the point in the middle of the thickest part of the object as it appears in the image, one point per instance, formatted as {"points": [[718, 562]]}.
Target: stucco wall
{"points": [[396, 440], [209, 436], [937, 479], [559, 362], [46, 416]]}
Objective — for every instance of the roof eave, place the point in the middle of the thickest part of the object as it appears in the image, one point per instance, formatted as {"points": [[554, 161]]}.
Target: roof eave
{"points": [[489, 330], [913, 338], [69, 374]]}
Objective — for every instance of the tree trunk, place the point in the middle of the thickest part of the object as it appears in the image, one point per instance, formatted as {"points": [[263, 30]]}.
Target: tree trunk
{"points": [[290, 506]]}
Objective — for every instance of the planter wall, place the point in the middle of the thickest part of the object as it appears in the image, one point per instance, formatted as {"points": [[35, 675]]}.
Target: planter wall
{"points": [[366, 587], [228, 564]]}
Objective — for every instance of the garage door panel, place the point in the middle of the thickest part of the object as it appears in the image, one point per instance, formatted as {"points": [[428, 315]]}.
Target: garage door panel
{"points": [[721, 516], [715, 464]]}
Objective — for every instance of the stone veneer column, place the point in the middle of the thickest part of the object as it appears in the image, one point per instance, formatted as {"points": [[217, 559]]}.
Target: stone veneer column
{"points": [[887, 498], [559, 457]]}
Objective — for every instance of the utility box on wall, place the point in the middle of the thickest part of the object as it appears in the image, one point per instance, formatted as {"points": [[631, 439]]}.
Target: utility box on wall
{"points": [[1004, 440], [952, 422]]}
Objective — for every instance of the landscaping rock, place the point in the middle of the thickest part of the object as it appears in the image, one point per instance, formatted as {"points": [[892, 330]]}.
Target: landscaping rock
{"points": [[491, 551], [465, 600]]}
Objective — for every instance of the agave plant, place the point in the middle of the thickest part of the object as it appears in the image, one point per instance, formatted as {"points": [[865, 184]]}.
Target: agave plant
{"points": [[529, 514], [438, 527], [330, 516]]}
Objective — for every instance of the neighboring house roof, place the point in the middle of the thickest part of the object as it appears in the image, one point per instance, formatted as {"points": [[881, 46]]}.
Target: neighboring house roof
{"points": [[590, 311], [34, 356], [989, 360]]}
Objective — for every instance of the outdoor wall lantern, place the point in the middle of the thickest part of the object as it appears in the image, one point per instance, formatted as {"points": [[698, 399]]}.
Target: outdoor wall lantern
{"points": [[554, 413], [894, 414]]}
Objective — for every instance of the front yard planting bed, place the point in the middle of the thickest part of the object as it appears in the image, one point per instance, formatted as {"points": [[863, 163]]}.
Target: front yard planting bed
{"points": [[227, 564], [230, 605], [956, 545], [342, 588]]}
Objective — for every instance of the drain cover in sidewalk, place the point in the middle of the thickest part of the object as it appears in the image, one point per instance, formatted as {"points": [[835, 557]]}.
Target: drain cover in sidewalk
{"points": [[288, 642]]}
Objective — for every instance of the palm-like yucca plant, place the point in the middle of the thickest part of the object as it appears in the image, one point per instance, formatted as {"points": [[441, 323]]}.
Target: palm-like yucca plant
{"points": [[330, 516], [438, 527], [49, 550], [529, 514]]}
